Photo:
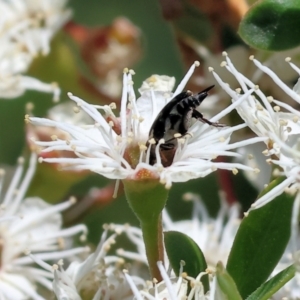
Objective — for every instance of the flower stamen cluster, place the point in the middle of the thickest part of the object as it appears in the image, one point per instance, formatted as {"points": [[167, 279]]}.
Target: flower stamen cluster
{"points": [[263, 119]]}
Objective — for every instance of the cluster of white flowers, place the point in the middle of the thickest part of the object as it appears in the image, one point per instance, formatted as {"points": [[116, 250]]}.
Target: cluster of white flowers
{"points": [[173, 288], [120, 148], [101, 275], [282, 130], [26, 29], [97, 276], [30, 230], [30, 225]]}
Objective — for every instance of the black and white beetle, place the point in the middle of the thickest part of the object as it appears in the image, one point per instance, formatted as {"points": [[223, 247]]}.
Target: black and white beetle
{"points": [[176, 118]]}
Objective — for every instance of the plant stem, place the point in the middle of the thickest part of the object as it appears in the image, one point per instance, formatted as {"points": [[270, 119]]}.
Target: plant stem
{"points": [[147, 199], [153, 239]]}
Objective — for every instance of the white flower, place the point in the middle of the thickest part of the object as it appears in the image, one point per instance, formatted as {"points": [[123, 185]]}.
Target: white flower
{"points": [[29, 225], [172, 287], [97, 277], [289, 163], [264, 119], [116, 147], [26, 29]]}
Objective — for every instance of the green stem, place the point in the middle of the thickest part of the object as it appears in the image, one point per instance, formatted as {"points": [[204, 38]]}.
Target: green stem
{"points": [[147, 199], [153, 239]]}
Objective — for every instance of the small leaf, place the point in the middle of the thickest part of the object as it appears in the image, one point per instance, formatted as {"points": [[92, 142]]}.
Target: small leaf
{"points": [[260, 242], [226, 284], [269, 288], [181, 247], [272, 25]]}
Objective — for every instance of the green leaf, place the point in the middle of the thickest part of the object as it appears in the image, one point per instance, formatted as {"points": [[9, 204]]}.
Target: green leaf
{"points": [[269, 288], [226, 284], [260, 242], [272, 25], [181, 247]]}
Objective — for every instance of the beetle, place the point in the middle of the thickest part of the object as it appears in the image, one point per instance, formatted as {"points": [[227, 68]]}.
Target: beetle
{"points": [[176, 118]]}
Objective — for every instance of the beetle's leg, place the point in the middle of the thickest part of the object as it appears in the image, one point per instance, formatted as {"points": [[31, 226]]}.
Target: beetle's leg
{"points": [[197, 115]]}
